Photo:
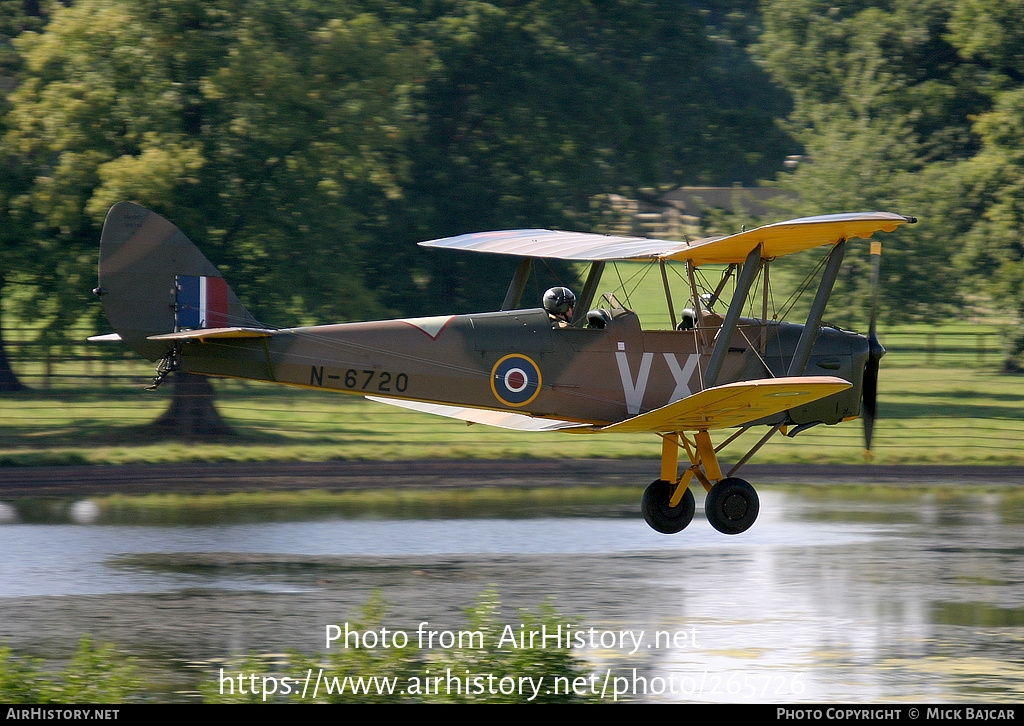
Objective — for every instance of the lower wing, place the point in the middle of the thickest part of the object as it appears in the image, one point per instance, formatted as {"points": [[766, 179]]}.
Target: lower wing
{"points": [[733, 404]]}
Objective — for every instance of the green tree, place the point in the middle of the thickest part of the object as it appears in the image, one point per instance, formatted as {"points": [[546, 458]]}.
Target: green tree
{"points": [[306, 146], [263, 129], [16, 16], [989, 34], [504, 141], [883, 105], [267, 130], [876, 59]]}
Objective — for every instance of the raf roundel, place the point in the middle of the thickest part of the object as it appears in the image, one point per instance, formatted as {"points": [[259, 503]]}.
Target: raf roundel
{"points": [[515, 380]]}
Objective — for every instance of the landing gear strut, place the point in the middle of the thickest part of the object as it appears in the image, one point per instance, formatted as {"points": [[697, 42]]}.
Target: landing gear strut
{"points": [[731, 505]]}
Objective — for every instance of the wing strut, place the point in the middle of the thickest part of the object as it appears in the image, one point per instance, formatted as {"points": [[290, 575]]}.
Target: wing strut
{"points": [[589, 290], [810, 331], [746, 278], [668, 294], [755, 448], [518, 284]]}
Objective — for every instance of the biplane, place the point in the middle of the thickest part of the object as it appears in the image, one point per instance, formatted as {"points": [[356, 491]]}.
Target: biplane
{"points": [[597, 371]]}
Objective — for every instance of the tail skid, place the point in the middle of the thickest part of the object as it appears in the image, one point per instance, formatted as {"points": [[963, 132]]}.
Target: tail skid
{"points": [[154, 281]]}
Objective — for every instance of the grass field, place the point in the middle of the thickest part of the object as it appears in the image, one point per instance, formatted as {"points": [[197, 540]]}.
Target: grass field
{"points": [[942, 401]]}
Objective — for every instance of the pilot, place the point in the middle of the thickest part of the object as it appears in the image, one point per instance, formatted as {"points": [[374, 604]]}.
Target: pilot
{"points": [[689, 320], [559, 302]]}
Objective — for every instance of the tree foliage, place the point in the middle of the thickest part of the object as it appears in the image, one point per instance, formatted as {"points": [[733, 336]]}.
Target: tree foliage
{"points": [[266, 134], [884, 104], [95, 674], [307, 146], [993, 180], [532, 109]]}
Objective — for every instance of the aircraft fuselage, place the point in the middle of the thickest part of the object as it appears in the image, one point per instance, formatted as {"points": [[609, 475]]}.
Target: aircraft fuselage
{"points": [[516, 360]]}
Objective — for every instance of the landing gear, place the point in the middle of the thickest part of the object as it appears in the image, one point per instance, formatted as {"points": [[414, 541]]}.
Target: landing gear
{"points": [[166, 367], [660, 514], [731, 505]]}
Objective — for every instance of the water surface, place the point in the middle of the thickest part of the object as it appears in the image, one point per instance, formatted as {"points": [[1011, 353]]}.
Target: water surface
{"points": [[825, 599]]}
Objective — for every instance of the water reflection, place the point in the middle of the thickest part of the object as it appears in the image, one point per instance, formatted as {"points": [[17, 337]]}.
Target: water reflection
{"points": [[830, 597], [73, 554]]}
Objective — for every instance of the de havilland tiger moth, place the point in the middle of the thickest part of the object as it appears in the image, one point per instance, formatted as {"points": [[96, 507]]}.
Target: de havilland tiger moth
{"points": [[581, 365]]}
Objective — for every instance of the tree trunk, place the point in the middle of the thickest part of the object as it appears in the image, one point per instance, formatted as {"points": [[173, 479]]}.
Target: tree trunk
{"points": [[9, 382], [192, 413]]}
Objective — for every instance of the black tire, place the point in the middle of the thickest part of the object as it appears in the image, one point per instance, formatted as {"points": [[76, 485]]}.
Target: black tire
{"points": [[732, 506], [657, 512]]}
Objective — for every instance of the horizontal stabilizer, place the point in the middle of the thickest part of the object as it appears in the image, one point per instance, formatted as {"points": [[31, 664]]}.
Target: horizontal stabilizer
{"points": [[211, 333], [733, 404], [500, 419], [108, 338]]}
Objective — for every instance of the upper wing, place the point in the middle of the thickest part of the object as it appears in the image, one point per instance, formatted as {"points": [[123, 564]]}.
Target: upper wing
{"points": [[579, 246], [781, 238], [733, 404], [785, 238]]}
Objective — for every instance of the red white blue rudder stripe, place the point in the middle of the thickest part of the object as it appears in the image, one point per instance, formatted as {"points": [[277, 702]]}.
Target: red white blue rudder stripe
{"points": [[202, 302]]}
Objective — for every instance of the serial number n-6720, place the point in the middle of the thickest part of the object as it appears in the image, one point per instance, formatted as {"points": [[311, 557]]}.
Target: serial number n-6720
{"points": [[365, 379]]}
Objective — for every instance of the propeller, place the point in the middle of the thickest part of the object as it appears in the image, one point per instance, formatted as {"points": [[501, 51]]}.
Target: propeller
{"points": [[869, 407]]}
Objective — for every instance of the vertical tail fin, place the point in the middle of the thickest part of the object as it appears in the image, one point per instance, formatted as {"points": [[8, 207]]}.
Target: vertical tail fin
{"points": [[153, 280]]}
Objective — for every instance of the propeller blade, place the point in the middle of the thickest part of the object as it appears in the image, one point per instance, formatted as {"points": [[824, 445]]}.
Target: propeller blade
{"points": [[869, 408]]}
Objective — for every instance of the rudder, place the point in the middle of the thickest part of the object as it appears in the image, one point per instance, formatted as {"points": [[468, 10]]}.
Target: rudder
{"points": [[154, 280]]}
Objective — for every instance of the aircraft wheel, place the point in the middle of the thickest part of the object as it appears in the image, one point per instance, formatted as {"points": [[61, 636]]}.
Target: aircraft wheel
{"points": [[731, 506], [657, 512]]}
